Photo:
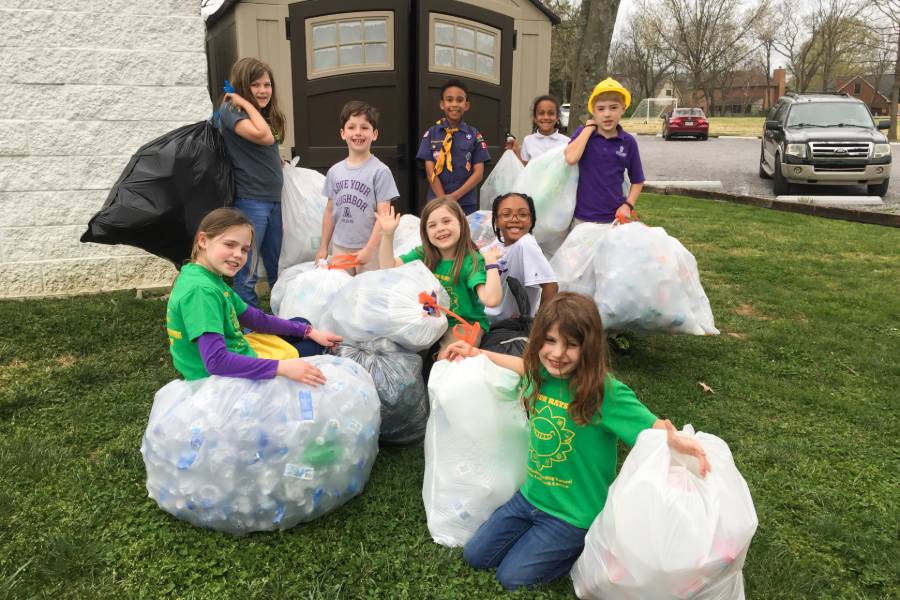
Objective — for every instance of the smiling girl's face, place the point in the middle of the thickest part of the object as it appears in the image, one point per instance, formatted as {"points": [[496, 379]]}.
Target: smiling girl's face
{"points": [[513, 219], [442, 228], [546, 117], [225, 254]]}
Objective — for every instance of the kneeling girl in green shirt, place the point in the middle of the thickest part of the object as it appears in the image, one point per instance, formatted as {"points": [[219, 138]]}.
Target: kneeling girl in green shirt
{"points": [[577, 412], [448, 251]]}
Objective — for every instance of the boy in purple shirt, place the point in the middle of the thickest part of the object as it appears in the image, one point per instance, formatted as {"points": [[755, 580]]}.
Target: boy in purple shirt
{"points": [[603, 152]]}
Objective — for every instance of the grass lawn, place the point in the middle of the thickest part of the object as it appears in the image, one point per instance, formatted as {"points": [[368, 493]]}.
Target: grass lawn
{"points": [[805, 378]]}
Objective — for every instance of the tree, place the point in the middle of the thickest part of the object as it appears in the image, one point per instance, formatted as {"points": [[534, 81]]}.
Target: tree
{"points": [[794, 39], [764, 30], [563, 47], [639, 55], [596, 21], [891, 10], [707, 39]]}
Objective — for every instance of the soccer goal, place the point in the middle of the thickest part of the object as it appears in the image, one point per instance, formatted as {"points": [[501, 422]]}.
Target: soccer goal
{"points": [[649, 110]]}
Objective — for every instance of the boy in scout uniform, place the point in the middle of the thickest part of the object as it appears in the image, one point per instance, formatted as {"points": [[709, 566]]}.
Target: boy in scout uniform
{"points": [[454, 152]]}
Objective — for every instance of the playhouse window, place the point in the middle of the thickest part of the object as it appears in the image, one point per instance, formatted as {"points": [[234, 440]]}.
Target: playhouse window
{"points": [[349, 43], [463, 47]]}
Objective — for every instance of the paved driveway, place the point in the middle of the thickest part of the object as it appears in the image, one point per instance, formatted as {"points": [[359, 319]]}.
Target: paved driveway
{"points": [[734, 162]]}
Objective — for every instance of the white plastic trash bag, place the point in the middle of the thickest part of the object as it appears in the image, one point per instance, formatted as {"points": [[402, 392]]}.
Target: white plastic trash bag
{"points": [[665, 532], [276, 295], [407, 237], [482, 228], [552, 183], [401, 389], [573, 263], [648, 281], [302, 207], [386, 304], [502, 179], [311, 294], [476, 446], [237, 455]]}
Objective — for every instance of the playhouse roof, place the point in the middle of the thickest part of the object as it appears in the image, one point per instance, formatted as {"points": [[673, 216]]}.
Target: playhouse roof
{"points": [[227, 4]]}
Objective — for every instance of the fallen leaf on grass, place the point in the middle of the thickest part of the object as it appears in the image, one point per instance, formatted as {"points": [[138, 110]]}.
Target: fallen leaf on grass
{"points": [[737, 335], [706, 388]]}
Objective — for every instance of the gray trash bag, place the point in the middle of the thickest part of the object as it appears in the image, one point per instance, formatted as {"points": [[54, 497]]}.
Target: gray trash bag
{"points": [[398, 378]]}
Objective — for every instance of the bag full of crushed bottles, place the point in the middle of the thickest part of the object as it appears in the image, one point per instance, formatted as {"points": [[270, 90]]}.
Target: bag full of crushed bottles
{"points": [[238, 456]]}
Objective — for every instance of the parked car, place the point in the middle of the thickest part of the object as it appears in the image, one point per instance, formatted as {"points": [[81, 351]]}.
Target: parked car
{"points": [[564, 109], [824, 139], [685, 122]]}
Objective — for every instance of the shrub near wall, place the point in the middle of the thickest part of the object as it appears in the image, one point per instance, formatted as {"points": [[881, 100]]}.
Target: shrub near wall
{"points": [[85, 83]]}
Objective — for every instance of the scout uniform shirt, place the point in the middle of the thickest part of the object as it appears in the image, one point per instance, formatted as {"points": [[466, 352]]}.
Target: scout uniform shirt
{"points": [[468, 148], [570, 466], [201, 302], [601, 172], [464, 300]]}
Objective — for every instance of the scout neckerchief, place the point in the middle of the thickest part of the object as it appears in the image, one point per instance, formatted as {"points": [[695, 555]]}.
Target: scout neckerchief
{"points": [[444, 156]]}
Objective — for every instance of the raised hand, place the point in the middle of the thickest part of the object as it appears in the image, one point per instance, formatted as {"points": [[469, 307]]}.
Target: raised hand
{"points": [[388, 220]]}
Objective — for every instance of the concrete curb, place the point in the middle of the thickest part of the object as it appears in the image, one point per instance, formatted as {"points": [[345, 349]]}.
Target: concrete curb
{"points": [[828, 212]]}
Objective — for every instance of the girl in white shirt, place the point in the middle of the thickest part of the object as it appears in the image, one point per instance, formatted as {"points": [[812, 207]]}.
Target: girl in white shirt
{"points": [[545, 113], [513, 219]]}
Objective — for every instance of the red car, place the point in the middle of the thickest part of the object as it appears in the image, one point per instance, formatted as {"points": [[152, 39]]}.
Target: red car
{"points": [[686, 122]]}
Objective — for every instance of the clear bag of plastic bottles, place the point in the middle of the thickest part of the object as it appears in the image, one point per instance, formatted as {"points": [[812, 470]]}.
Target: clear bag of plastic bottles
{"points": [[502, 179], [407, 237], [482, 228], [552, 183], [302, 207], [573, 263], [665, 532], [238, 456], [647, 280], [476, 446], [386, 304], [284, 280], [398, 378], [311, 294]]}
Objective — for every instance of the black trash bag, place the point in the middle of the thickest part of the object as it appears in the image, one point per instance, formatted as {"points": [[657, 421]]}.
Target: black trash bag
{"points": [[169, 185], [510, 336], [398, 378]]}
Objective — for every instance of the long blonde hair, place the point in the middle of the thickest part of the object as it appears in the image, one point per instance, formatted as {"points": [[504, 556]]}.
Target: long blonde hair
{"points": [[464, 246], [578, 320], [246, 71]]}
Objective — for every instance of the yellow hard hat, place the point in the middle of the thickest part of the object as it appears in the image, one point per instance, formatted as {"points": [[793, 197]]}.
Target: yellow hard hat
{"points": [[608, 85]]}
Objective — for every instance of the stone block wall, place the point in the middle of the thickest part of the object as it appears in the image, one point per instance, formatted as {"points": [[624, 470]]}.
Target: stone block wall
{"points": [[86, 83]]}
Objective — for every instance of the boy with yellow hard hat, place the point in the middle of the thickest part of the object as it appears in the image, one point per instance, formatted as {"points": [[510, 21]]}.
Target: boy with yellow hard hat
{"points": [[603, 152]]}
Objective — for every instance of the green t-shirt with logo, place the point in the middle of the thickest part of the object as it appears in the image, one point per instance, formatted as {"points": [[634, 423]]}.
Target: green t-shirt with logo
{"points": [[571, 466], [464, 299], [200, 303]]}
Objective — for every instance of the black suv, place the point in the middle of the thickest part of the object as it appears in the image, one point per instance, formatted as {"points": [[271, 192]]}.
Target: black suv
{"points": [[824, 139]]}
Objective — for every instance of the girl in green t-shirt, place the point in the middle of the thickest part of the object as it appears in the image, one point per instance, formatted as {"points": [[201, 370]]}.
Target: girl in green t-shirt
{"points": [[205, 318], [448, 251], [577, 412]]}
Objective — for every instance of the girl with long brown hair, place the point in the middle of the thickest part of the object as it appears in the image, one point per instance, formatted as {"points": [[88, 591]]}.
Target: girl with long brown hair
{"points": [[253, 126], [448, 251], [577, 413]]}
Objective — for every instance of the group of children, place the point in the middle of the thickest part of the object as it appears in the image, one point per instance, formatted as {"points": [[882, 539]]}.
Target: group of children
{"points": [[537, 535]]}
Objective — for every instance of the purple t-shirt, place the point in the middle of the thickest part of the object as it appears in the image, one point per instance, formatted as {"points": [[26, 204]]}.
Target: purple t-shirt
{"points": [[601, 173]]}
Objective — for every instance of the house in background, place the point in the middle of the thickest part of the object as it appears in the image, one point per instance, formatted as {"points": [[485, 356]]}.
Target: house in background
{"points": [[394, 54], [748, 93], [860, 87]]}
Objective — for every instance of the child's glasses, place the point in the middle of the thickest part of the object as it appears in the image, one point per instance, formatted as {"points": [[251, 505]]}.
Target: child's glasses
{"points": [[522, 215]]}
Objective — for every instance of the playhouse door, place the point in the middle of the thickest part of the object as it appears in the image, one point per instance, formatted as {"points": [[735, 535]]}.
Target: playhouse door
{"points": [[461, 41], [359, 53]]}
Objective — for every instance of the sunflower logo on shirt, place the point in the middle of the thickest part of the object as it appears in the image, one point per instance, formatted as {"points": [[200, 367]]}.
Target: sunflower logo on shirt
{"points": [[551, 441]]}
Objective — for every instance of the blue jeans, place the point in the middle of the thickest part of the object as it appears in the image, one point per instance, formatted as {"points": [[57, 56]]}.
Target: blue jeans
{"points": [[527, 545], [266, 218]]}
